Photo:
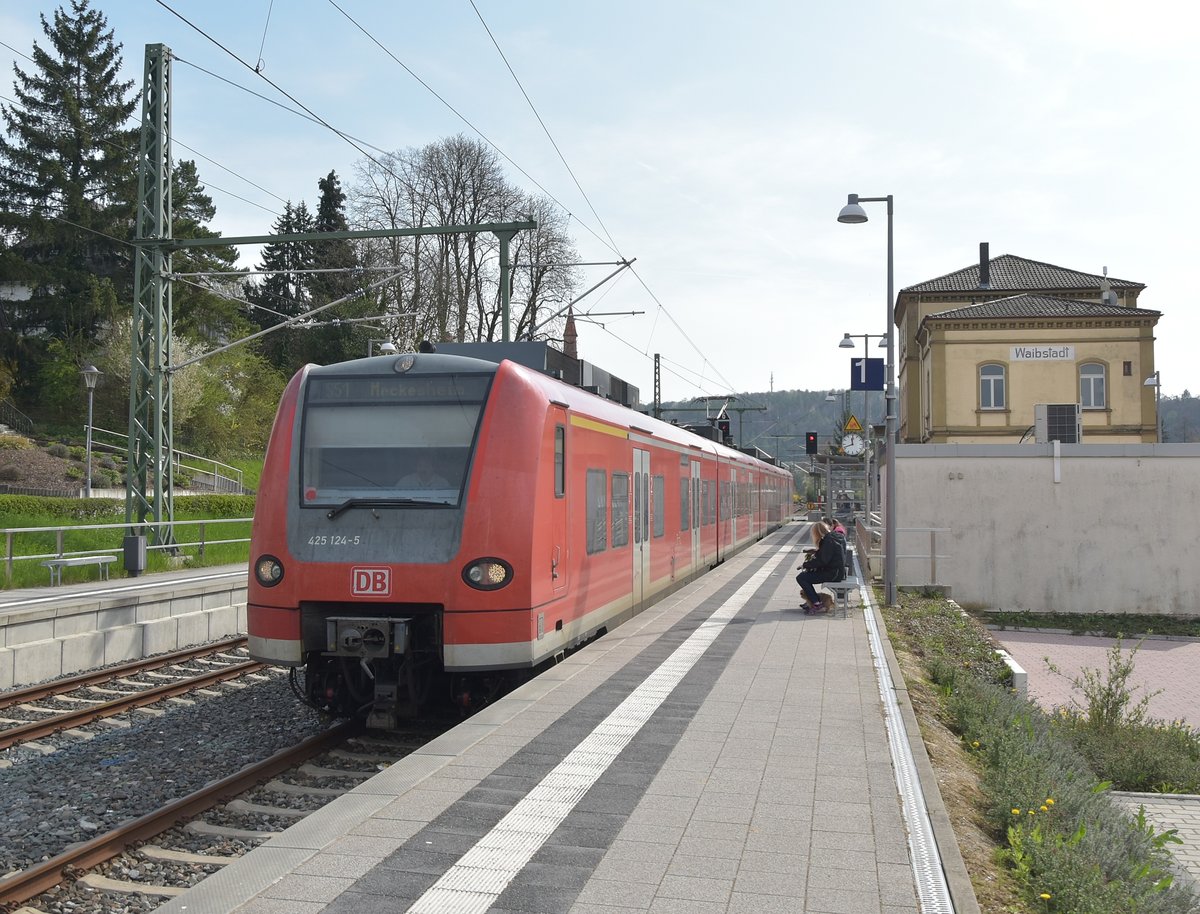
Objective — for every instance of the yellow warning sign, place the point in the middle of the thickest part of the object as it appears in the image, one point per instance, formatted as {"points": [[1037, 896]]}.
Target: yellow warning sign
{"points": [[852, 425]]}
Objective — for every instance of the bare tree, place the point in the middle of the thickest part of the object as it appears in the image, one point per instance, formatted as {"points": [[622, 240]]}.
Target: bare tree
{"points": [[451, 283]]}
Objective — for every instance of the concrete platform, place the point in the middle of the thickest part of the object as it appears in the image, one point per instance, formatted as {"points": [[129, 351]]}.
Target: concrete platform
{"points": [[722, 752], [47, 632]]}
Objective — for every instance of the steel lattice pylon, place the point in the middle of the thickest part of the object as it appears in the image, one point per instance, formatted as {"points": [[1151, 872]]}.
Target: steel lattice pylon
{"points": [[150, 419]]}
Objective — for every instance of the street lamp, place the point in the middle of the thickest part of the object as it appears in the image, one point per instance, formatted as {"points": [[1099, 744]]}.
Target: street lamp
{"points": [[853, 213], [1155, 382], [91, 376], [847, 342]]}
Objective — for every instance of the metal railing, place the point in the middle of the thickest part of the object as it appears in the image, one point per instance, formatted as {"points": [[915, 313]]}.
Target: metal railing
{"points": [[225, 478], [131, 529], [868, 534], [14, 418]]}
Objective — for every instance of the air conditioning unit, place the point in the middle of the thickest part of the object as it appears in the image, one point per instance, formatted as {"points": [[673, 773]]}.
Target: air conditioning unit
{"points": [[1057, 422]]}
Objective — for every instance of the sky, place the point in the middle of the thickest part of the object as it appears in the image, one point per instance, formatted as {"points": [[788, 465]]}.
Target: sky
{"points": [[715, 142]]}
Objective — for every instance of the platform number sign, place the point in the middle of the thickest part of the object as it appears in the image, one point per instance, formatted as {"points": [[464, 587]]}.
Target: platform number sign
{"points": [[866, 374]]}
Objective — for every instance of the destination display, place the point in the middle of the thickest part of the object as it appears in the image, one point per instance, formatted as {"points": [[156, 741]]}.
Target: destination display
{"points": [[406, 389]]}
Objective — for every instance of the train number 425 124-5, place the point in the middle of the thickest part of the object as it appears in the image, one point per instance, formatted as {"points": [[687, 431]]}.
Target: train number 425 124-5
{"points": [[335, 540]]}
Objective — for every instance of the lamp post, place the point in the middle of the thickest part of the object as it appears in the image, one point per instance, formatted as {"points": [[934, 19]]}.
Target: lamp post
{"points": [[847, 342], [853, 213], [1155, 382], [91, 375]]}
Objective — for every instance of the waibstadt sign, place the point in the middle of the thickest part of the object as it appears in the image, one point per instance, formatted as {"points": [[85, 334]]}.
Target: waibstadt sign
{"points": [[1064, 353]]}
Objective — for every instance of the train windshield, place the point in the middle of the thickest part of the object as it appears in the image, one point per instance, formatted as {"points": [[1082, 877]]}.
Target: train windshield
{"points": [[403, 440]]}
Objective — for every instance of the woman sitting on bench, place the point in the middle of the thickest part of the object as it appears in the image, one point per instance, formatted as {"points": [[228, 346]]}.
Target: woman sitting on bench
{"points": [[824, 563]]}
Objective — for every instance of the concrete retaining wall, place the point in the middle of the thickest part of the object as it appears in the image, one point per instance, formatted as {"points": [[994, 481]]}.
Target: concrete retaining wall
{"points": [[1084, 529], [60, 631]]}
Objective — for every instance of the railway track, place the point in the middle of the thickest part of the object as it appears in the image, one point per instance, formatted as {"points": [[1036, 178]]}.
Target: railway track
{"points": [[112, 870], [65, 704]]}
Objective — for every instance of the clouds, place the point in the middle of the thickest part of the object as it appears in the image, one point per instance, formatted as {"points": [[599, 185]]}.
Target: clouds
{"points": [[717, 142]]}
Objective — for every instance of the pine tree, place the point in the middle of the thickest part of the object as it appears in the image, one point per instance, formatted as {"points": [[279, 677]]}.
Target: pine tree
{"points": [[67, 185], [336, 342], [283, 293], [199, 313]]}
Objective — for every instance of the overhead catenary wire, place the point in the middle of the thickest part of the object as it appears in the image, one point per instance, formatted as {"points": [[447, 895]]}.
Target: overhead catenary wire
{"points": [[545, 129], [462, 117], [133, 124], [583, 193], [359, 145]]}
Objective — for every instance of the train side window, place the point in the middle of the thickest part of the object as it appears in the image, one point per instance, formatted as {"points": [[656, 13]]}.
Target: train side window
{"points": [[620, 510], [597, 511], [560, 461], [658, 492], [685, 488]]}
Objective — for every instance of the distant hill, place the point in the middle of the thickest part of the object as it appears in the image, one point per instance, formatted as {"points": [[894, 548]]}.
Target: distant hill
{"points": [[777, 421]]}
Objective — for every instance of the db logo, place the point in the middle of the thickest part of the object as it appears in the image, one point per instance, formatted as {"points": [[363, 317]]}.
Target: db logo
{"points": [[371, 582]]}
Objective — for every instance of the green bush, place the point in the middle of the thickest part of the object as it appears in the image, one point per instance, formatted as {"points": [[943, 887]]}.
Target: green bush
{"points": [[14, 443], [58, 450], [1068, 844]]}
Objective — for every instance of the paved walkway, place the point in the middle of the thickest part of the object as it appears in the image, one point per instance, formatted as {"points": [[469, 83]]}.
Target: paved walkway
{"points": [[721, 753], [1167, 668]]}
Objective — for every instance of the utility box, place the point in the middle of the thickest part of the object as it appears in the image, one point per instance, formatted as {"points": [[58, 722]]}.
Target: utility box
{"points": [[135, 555], [1057, 422]]}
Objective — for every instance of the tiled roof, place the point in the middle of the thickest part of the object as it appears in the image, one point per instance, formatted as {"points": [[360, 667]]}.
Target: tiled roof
{"points": [[1009, 273], [1039, 306]]}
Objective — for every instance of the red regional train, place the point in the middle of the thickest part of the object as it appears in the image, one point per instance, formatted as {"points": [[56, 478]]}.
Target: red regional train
{"points": [[431, 520]]}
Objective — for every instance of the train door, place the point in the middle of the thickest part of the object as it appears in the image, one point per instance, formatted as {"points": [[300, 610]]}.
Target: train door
{"points": [[559, 521], [697, 515], [641, 524]]}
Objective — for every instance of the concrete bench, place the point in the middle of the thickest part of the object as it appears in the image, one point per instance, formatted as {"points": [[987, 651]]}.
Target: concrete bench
{"points": [[57, 565]]}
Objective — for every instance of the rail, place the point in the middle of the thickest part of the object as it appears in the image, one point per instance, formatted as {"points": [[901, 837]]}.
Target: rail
{"points": [[131, 529]]}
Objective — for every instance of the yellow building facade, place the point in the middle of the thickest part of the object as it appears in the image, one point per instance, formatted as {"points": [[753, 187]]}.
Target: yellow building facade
{"points": [[981, 348]]}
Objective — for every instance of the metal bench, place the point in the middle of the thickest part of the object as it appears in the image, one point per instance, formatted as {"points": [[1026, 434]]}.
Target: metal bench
{"points": [[841, 591], [57, 565]]}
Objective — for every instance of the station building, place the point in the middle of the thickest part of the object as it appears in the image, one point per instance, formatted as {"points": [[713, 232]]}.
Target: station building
{"points": [[987, 352]]}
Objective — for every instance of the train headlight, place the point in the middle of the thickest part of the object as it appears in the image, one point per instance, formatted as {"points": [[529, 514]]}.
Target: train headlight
{"points": [[488, 573], [268, 570]]}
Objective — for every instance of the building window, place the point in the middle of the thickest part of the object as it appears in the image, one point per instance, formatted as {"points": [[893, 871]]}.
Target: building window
{"points": [[991, 387], [1091, 386]]}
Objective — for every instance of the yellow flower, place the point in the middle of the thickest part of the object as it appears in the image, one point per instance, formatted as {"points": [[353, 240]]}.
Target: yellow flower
{"points": [[1016, 812], [974, 744], [1044, 808], [1049, 801], [1033, 812], [1045, 896]]}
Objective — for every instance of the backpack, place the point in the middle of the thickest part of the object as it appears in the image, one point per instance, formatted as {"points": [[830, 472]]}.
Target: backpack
{"points": [[840, 539]]}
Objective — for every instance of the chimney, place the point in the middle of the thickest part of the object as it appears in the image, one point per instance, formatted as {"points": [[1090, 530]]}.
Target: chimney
{"points": [[570, 347], [985, 276]]}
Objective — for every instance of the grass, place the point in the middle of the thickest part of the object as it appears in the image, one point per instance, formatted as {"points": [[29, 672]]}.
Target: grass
{"points": [[1044, 777], [23, 511]]}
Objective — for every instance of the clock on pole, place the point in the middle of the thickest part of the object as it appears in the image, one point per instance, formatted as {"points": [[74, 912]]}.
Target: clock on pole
{"points": [[853, 442]]}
